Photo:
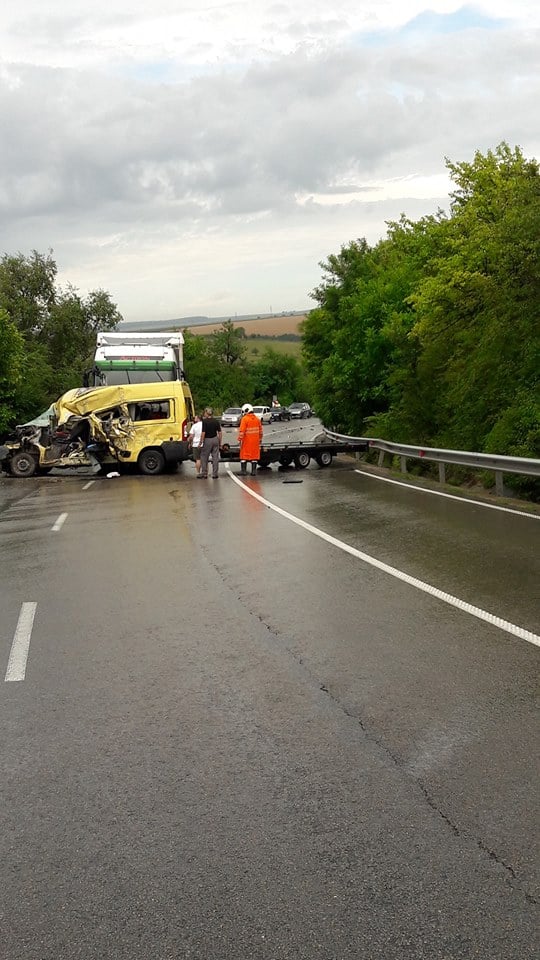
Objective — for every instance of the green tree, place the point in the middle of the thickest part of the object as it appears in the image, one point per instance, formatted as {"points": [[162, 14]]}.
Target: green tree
{"points": [[37, 387], [69, 333], [321, 328], [275, 374], [28, 290], [359, 338], [477, 316], [58, 328], [228, 343], [11, 365], [407, 400], [213, 381], [433, 335]]}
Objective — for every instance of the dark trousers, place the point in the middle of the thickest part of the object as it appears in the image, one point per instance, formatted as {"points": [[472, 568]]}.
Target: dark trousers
{"points": [[210, 451]]}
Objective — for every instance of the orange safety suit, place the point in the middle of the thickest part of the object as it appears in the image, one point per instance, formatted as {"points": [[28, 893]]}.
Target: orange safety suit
{"points": [[250, 436]]}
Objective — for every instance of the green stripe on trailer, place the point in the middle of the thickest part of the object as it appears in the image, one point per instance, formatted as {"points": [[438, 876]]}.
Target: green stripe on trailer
{"points": [[135, 364]]}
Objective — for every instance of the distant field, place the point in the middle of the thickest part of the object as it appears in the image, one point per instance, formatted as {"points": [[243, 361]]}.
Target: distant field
{"points": [[266, 326], [255, 347]]}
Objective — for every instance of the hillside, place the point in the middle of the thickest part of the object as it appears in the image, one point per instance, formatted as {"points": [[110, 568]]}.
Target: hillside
{"points": [[271, 326], [266, 325]]}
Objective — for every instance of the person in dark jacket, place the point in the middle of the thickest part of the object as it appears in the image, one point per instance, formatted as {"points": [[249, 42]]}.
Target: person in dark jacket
{"points": [[210, 444]]}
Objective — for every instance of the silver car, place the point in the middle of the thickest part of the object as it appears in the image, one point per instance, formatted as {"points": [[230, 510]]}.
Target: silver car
{"points": [[300, 410], [231, 417]]}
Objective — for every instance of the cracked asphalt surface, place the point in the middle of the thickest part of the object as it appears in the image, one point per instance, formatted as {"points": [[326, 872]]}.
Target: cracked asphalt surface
{"points": [[235, 741]]}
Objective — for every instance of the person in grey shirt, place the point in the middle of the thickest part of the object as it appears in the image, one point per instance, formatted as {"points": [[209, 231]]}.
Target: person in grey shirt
{"points": [[211, 444]]}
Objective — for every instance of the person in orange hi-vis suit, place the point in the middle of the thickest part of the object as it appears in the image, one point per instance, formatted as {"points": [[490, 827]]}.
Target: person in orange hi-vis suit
{"points": [[249, 437]]}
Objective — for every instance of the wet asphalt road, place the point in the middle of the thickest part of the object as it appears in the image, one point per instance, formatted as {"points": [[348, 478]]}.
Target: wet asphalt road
{"points": [[235, 740]]}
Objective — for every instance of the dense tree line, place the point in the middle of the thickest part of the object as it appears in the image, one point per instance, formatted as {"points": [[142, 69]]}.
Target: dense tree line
{"points": [[432, 336], [47, 335]]}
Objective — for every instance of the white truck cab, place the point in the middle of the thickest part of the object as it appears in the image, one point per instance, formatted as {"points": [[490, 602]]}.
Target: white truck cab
{"points": [[123, 358]]}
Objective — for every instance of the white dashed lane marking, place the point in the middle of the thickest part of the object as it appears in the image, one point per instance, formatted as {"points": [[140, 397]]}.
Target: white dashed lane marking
{"points": [[16, 668], [59, 523]]}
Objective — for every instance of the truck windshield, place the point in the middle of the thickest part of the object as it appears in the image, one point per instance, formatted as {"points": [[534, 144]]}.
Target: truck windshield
{"points": [[115, 378]]}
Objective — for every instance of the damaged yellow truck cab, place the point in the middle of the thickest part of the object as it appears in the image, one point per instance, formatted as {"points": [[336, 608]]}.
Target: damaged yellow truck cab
{"points": [[146, 424]]}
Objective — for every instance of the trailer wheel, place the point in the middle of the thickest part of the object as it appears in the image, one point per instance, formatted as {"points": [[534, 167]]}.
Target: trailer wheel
{"points": [[285, 460], [151, 462], [324, 459], [22, 464], [301, 460]]}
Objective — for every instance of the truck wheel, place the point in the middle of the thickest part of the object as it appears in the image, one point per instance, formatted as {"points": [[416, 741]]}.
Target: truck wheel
{"points": [[285, 461], [324, 459], [22, 464], [151, 462], [301, 460]]}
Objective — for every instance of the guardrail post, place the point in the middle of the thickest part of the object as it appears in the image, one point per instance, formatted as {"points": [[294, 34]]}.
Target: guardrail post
{"points": [[403, 464], [381, 458], [442, 472], [499, 485]]}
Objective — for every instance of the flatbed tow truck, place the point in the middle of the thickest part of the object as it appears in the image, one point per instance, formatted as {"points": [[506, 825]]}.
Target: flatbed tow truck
{"points": [[321, 448]]}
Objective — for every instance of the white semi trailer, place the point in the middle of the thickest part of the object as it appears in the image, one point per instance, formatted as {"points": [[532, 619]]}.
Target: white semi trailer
{"points": [[136, 358]]}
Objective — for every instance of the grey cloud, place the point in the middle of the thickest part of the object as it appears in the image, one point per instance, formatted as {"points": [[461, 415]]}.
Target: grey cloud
{"points": [[47, 28], [117, 151], [303, 31]]}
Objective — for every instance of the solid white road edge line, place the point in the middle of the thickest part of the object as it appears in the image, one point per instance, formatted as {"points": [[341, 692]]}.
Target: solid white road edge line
{"points": [[18, 656], [490, 618], [89, 484], [449, 496], [60, 522]]}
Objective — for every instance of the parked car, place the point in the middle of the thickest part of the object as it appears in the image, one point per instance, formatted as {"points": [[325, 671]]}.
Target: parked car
{"points": [[231, 417], [263, 413], [300, 410], [280, 413]]}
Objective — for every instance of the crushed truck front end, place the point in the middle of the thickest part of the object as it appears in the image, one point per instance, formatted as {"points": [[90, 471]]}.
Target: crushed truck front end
{"points": [[142, 424]]}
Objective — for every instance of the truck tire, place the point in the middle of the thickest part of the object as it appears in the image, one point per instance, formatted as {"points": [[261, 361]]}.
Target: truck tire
{"points": [[285, 460], [22, 464], [324, 459], [151, 461], [301, 460]]}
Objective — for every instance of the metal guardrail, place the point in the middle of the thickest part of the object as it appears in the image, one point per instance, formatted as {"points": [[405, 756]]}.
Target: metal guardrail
{"points": [[483, 461]]}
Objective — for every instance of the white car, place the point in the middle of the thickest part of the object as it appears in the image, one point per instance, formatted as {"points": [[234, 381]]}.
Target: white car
{"points": [[263, 413]]}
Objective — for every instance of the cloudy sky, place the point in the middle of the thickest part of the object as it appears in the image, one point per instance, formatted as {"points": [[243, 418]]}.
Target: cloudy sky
{"points": [[202, 157]]}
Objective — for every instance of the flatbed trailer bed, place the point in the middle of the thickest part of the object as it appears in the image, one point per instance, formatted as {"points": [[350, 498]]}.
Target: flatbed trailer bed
{"points": [[297, 454]]}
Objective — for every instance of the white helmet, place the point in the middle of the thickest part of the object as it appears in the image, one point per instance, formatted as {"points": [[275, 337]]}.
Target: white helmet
{"points": [[247, 408]]}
